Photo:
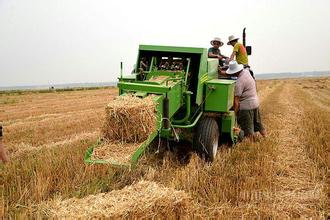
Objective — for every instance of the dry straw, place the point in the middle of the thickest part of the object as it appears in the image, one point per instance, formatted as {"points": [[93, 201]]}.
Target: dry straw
{"points": [[142, 200], [129, 119], [158, 79], [115, 152]]}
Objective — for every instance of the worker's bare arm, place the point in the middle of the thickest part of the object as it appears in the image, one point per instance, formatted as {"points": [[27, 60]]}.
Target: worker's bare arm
{"points": [[212, 55], [236, 104], [232, 56], [222, 73]]}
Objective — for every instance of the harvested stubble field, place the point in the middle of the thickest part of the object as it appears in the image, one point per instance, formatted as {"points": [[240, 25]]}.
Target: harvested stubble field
{"points": [[284, 175]]}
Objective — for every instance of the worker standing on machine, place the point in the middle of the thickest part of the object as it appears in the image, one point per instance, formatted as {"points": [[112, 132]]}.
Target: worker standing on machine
{"points": [[239, 52], [214, 51], [143, 67], [246, 101], [3, 155]]}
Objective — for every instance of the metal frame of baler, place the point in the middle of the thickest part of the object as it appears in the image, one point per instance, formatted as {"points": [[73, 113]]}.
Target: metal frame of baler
{"points": [[194, 98]]}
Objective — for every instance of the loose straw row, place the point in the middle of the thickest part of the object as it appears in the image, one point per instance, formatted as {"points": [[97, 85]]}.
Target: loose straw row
{"points": [[142, 200]]}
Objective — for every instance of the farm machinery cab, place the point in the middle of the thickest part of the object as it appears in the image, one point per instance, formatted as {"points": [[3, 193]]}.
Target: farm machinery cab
{"points": [[192, 103]]}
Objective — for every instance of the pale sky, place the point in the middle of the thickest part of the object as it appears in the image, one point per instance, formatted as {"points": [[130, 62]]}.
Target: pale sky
{"points": [[67, 41]]}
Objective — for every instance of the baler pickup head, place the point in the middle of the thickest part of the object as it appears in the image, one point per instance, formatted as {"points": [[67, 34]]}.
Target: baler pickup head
{"points": [[123, 146]]}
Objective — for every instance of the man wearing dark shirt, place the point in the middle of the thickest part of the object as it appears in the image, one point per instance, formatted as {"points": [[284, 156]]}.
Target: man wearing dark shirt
{"points": [[214, 51]]}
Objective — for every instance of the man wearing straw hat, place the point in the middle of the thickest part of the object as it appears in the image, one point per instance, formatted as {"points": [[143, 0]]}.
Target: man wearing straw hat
{"points": [[239, 51], [214, 51], [246, 102]]}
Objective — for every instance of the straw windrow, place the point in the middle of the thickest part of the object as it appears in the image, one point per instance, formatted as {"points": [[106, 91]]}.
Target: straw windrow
{"points": [[142, 200]]}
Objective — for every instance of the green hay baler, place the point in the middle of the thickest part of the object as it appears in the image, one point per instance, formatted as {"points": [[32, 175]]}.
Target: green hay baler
{"points": [[192, 103]]}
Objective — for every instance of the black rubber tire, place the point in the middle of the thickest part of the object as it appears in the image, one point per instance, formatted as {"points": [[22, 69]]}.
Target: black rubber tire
{"points": [[206, 138]]}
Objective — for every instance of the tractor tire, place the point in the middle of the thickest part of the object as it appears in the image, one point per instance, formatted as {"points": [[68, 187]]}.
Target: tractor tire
{"points": [[206, 139]]}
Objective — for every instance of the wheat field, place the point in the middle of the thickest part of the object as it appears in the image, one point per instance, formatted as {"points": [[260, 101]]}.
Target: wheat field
{"points": [[285, 175]]}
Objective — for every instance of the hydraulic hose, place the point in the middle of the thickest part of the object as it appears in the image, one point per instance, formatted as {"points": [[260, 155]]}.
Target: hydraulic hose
{"points": [[166, 112], [188, 106]]}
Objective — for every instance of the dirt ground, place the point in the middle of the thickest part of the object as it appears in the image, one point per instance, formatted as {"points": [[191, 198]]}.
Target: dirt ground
{"points": [[284, 175]]}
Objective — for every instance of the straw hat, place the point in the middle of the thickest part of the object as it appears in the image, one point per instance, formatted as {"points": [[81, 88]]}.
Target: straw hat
{"points": [[234, 67], [217, 39], [231, 38]]}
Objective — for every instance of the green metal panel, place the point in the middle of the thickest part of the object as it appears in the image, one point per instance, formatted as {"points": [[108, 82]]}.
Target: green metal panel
{"points": [[212, 68], [222, 81], [128, 86], [202, 77], [171, 49], [219, 95], [228, 123], [175, 99]]}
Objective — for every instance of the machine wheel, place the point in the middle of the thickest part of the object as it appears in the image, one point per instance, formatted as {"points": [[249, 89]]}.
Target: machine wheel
{"points": [[206, 139]]}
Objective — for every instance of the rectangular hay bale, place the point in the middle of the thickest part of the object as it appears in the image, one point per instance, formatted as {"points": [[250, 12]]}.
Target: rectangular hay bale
{"points": [[129, 119]]}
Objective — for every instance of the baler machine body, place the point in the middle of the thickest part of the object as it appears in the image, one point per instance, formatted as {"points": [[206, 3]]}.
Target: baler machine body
{"points": [[190, 97]]}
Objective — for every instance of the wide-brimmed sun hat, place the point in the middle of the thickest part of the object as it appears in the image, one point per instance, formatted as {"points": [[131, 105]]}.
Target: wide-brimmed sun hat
{"points": [[231, 38], [216, 39], [234, 67]]}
